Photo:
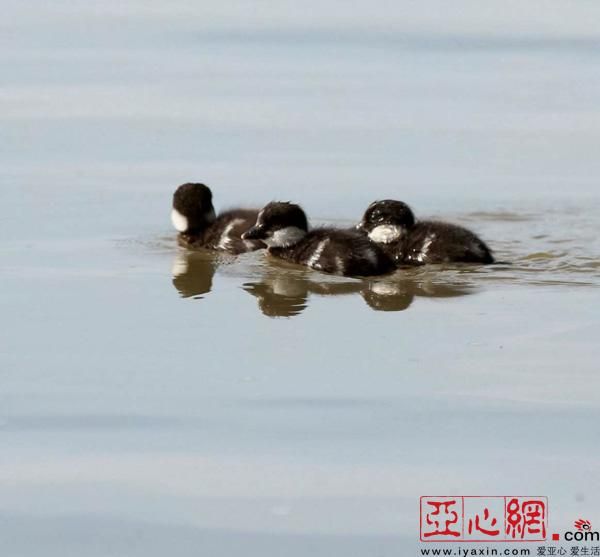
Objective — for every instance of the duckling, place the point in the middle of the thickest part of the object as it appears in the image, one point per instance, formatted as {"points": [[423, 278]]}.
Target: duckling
{"points": [[193, 216], [391, 225], [283, 227]]}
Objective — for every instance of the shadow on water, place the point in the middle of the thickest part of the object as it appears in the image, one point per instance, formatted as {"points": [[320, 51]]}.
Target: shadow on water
{"points": [[284, 290]]}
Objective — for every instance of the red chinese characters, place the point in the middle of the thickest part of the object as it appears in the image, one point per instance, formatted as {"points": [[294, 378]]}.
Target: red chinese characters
{"points": [[496, 518], [526, 518], [484, 518], [441, 518]]}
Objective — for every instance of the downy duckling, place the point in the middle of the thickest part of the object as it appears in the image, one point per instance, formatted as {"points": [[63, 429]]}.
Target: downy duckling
{"points": [[193, 216], [283, 227], [391, 225]]}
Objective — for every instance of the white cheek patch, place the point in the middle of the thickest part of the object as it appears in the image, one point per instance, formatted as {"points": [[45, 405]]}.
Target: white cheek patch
{"points": [[285, 237], [179, 221], [385, 234]]}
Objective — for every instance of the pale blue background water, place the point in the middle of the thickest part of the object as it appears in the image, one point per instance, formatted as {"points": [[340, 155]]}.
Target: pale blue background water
{"points": [[137, 422]]}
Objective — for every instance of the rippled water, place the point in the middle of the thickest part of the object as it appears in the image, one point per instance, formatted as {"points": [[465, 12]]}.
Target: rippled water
{"points": [[528, 248], [158, 401]]}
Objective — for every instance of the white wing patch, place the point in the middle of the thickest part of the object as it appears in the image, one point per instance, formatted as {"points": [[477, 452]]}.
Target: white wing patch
{"points": [[385, 234], [225, 240], [179, 221], [314, 258], [285, 237], [425, 248], [339, 265]]}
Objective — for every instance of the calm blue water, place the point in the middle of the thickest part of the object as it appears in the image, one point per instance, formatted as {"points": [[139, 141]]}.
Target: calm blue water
{"points": [[154, 401]]}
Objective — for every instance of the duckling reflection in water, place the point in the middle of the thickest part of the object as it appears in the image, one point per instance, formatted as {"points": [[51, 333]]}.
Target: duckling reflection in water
{"points": [[286, 294], [193, 273], [398, 295], [285, 291], [279, 298]]}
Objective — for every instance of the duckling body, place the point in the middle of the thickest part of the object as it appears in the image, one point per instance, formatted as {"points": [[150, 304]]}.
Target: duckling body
{"points": [[193, 216], [392, 226], [338, 252], [283, 227], [225, 233], [442, 242]]}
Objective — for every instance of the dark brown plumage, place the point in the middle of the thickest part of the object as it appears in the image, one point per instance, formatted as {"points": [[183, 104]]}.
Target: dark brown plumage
{"points": [[392, 226], [283, 227], [193, 215]]}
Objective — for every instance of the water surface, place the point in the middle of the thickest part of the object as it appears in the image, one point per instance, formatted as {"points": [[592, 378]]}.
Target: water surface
{"points": [[155, 400]]}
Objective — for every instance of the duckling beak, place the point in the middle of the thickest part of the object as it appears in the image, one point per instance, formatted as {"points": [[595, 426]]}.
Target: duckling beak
{"points": [[254, 233], [360, 227]]}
